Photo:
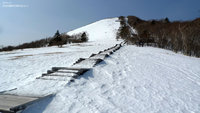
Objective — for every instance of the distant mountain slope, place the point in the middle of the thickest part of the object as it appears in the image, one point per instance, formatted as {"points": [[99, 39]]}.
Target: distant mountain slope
{"points": [[102, 30]]}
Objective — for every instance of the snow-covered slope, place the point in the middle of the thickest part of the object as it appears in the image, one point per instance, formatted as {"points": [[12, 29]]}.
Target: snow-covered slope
{"points": [[103, 30], [20, 67], [132, 80]]}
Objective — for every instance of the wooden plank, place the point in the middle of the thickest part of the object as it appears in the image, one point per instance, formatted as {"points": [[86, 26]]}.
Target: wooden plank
{"points": [[23, 106], [6, 111], [62, 74], [68, 68], [2, 92], [10, 101], [56, 78], [61, 71], [89, 63], [98, 56], [68, 71], [109, 52], [49, 71], [14, 103], [79, 60], [76, 70]]}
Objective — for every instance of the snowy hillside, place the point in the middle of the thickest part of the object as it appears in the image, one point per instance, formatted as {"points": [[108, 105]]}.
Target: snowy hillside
{"points": [[103, 30], [20, 67], [132, 80]]}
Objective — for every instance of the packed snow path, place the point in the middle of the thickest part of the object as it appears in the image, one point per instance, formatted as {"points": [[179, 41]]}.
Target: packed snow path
{"points": [[133, 80]]}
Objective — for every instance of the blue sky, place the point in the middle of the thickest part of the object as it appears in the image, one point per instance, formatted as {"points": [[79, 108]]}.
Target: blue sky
{"points": [[37, 19]]}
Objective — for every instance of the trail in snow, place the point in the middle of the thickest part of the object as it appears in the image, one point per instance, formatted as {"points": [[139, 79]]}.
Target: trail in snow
{"points": [[134, 80], [133, 31]]}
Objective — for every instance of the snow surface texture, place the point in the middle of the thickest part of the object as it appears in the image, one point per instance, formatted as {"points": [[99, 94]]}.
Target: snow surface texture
{"points": [[133, 80], [21, 67]]}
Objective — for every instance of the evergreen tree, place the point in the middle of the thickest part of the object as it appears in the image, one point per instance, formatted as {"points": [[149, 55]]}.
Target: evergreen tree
{"points": [[57, 36], [84, 37], [57, 40], [167, 20]]}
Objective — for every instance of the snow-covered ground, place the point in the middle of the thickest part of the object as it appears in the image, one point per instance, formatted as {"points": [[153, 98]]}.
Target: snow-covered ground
{"points": [[20, 67], [132, 80]]}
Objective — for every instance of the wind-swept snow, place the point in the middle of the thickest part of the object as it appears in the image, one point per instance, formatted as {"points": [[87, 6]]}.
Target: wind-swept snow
{"points": [[132, 80]]}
